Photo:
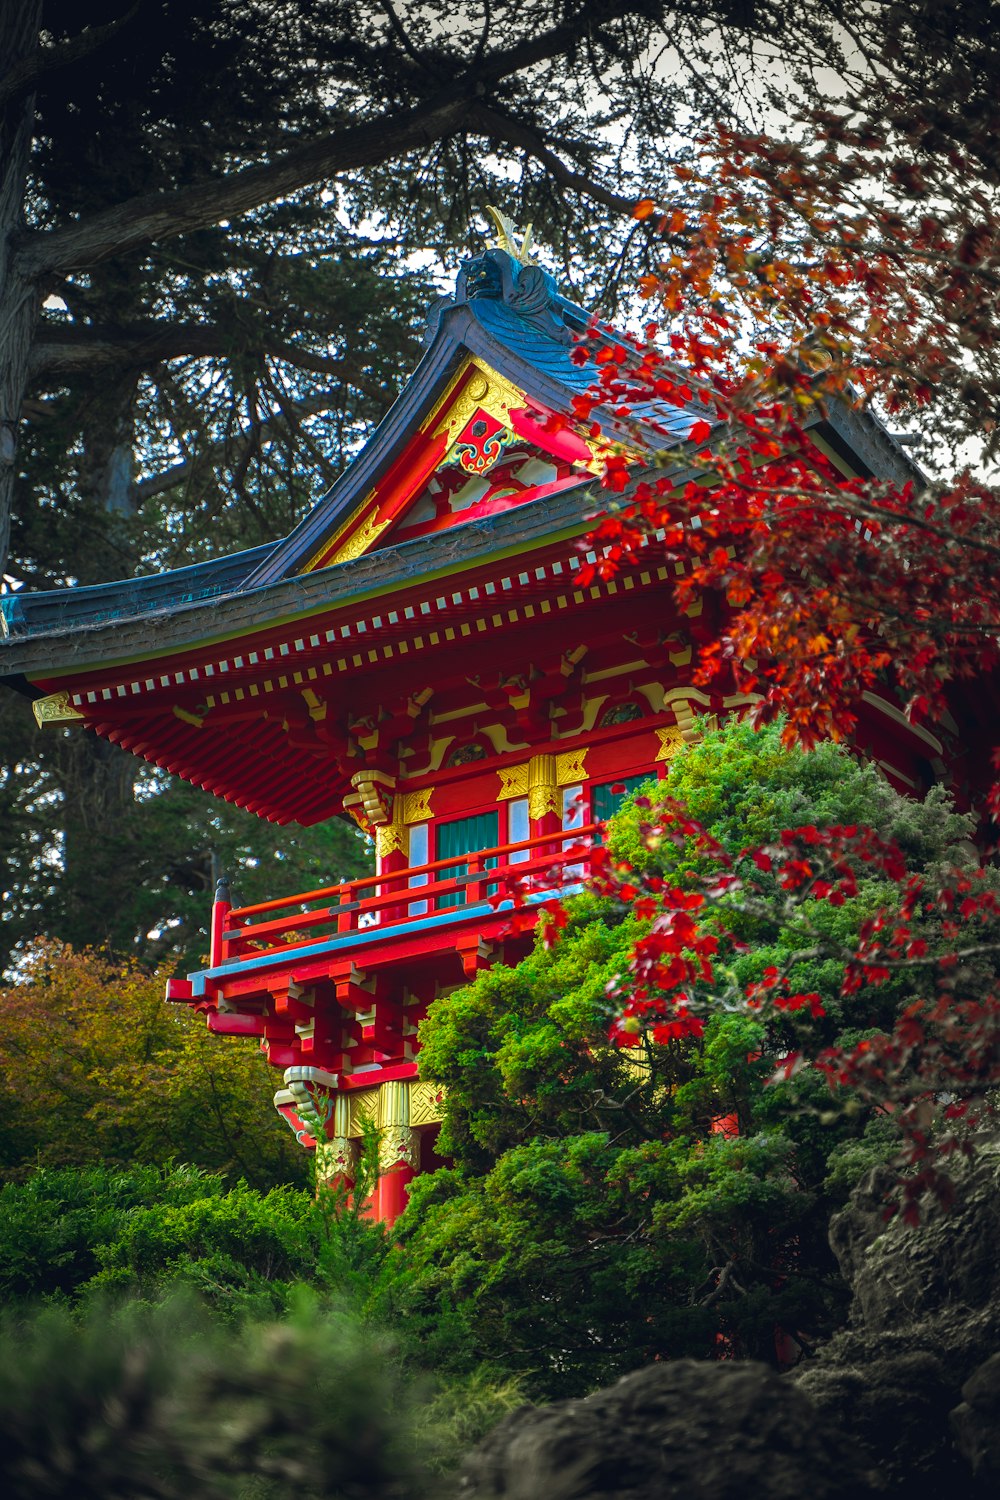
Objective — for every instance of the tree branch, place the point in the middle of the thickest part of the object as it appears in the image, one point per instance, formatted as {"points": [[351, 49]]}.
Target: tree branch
{"points": [[154, 216], [504, 127], [67, 349], [180, 473], [24, 75]]}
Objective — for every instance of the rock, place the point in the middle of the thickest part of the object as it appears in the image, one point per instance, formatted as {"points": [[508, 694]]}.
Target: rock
{"points": [[924, 1320], [689, 1429], [976, 1424], [905, 1401], [949, 1262], [896, 1407]]}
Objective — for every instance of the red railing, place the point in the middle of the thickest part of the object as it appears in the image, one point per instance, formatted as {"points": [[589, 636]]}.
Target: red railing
{"points": [[398, 896]]}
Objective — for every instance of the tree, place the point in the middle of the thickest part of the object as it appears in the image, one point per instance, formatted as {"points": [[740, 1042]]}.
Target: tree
{"points": [[854, 263], [96, 1069], [204, 306], [96, 850], [608, 1205], [349, 91]]}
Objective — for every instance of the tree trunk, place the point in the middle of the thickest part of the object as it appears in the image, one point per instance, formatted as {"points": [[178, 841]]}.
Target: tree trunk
{"points": [[19, 26], [103, 857]]}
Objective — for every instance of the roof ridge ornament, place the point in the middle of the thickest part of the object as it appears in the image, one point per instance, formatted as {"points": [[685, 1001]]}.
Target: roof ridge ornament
{"points": [[506, 272], [506, 239]]}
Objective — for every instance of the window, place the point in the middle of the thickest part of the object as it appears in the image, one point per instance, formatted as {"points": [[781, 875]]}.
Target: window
{"points": [[418, 856], [605, 802], [573, 817], [518, 829], [464, 836]]}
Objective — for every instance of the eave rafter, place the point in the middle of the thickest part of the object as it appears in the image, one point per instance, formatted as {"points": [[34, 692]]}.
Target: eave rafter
{"points": [[244, 719]]}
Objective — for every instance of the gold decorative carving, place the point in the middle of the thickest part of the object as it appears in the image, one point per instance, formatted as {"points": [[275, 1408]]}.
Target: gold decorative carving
{"points": [[483, 390], [543, 800], [337, 1158], [367, 533], [542, 770], [671, 739], [686, 704], [417, 805], [364, 1109], [398, 1146], [426, 1103], [375, 789], [570, 767], [543, 793], [316, 561], [389, 838], [55, 709], [507, 237], [513, 782], [394, 1103]]}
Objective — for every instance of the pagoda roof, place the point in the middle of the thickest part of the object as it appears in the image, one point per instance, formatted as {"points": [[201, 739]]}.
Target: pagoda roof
{"points": [[509, 318], [170, 666]]}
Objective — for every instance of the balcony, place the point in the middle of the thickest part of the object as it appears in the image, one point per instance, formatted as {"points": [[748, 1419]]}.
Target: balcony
{"points": [[423, 927]]}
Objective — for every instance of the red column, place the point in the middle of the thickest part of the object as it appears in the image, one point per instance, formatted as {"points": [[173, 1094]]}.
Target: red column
{"points": [[393, 1193], [398, 1152]]}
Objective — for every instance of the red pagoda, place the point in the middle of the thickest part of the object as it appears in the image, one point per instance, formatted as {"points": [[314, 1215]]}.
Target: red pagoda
{"points": [[420, 654]]}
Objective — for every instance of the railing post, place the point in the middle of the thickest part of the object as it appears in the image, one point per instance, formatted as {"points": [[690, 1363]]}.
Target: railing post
{"points": [[475, 869], [221, 907]]}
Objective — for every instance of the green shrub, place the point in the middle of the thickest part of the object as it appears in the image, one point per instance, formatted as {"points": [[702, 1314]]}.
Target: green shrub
{"points": [[159, 1401]]}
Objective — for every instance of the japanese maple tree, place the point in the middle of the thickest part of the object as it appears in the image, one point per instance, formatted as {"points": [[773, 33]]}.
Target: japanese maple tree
{"points": [[854, 262]]}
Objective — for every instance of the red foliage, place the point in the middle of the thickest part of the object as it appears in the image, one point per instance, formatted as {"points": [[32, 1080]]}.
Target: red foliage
{"points": [[857, 266]]}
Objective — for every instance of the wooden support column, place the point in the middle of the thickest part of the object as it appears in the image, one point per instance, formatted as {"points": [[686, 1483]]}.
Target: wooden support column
{"points": [[398, 1152], [392, 855]]}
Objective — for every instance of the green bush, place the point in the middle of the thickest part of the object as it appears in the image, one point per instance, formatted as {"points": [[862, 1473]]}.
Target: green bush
{"points": [[80, 1233], [159, 1401]]}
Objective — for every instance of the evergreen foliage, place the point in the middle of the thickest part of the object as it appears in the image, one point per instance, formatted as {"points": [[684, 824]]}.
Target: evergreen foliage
{"points": [[601, 1210], [158, 1401], [95, 1069]]}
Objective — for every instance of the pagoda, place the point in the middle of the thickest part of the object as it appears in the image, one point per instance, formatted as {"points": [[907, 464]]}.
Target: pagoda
{"points": [[421, 654]]}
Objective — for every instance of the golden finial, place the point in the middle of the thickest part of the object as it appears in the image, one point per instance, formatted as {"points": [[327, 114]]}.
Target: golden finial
{"points": [[506, 239]]}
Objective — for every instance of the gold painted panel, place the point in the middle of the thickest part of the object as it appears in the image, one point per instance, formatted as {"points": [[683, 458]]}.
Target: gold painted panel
{"points": [[513, 782], [426, 1103], [364, 1106], [417, 805], [671, 739], [571, 767]]}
